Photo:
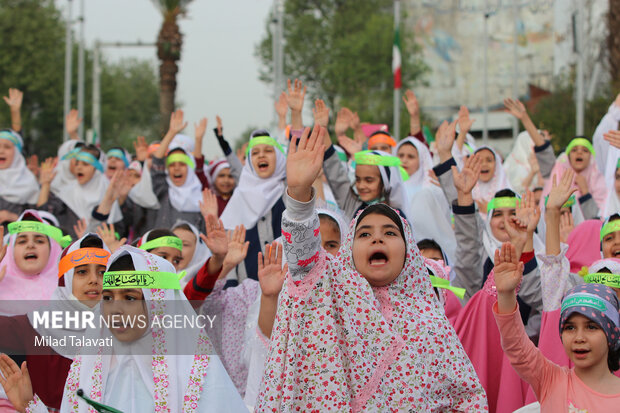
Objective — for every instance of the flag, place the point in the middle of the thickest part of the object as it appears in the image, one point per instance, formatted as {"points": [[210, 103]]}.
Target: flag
{"points": [[396, 60]]}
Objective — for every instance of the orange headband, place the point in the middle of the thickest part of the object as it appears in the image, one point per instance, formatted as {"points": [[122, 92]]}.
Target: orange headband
{"points": [[381, 138], [82, 256]]}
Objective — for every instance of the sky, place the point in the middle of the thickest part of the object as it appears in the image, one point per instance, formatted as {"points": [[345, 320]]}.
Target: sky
{"points": [[218, 72]]}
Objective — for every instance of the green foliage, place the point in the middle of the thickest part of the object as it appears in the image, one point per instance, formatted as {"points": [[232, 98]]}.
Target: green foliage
{"points": [[557, 113], [342, 50], [32, 53]]}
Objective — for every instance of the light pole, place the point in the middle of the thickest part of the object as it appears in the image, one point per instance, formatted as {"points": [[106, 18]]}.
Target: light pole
{"points": [[80, 85], [68, 57]]}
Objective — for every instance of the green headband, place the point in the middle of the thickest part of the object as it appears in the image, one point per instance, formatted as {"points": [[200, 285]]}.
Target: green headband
{"points": [[610, 280], [142, 279], [568, 204], [584, 301], [180, 157], [580, 142], [502, 202], [369, 158], [45, 229], [445, 284], [169, 241], [610, 227], [263, 140]]}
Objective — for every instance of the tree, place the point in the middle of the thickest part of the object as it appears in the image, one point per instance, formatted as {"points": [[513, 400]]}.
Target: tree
{"points": [[613, 39], [32, 60], [169, 43], [342, 50]]}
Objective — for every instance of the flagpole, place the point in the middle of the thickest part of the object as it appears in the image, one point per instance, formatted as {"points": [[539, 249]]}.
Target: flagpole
{"points": [[396, 68]]}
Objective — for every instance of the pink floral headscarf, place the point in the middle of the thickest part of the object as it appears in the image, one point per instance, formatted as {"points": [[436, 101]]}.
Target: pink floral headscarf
{"points": [[341, 345]]}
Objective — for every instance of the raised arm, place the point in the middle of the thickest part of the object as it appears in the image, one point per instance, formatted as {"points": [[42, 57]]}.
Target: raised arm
{"points": [[46, 175], [176, 125], [14, 100], [271, 276], [235, 164], [413, 107], [300, 222], [517, 109], [295, 100]]}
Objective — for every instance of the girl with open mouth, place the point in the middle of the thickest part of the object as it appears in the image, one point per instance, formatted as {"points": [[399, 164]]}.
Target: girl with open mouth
{"points": [[366, 314]]}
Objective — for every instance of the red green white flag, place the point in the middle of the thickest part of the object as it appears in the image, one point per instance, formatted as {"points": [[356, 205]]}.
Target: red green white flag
{"points": [[396, 60]]}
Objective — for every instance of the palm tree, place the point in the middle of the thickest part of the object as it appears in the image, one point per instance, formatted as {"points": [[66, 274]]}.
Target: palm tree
{"points": [[169, 43]]}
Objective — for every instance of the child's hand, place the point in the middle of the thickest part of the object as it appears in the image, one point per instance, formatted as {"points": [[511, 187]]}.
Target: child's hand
{"points": [[464, 121], [176, 122], [47, 172], [444, 139], [199, 129], [208, 205], [411, 103], [560, 192], [281, 105], [108, 235], [304, 162], [142, 148], [351, 146], [508, 272], [14, 100], [237, 248], [73, 121], [343, 121], [613, 136], [321, 113], [527, 212], [216, 238], [466, 179], [271, 274], [16, 383], [80, 227], [516, 108], [566, 226], [295, 97], [582, 184]]}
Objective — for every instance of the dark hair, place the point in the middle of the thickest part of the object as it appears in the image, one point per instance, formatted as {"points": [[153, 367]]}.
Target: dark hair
{"points": [[259, 132], [428, 243], [614, 217], [484, 148], [538, 188], [91, 241], [613, 360], [505, 193], [29, 217], [379, 132], [158, 233], [383, 209], [184, 227], [177, 150], [122, 263], [92, 149]]}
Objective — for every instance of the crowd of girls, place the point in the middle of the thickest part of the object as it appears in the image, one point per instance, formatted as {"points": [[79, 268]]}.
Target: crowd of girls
{"points": [[350, 270]]}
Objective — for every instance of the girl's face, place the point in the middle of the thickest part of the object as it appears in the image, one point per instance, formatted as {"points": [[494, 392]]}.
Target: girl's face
{"points": [[177, 171], [584, 342], [84, 172], [7, 153], [330, 236], [409, 158], [611, 245], [432, 254], [379, 250], [113, 164], [368, 182], [125, 312], [73, 166], [189, 246], [497, 224], [617, 182], [87, 283], [224, 182], [31, 252], [579, 158], [172, 255], [263, 160], [487, 165], [134, 177]]}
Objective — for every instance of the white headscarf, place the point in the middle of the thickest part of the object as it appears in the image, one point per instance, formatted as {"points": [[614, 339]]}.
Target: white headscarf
{"points": [[420, 177], [82, 199], [62, 299], [485, 191], [254, 196], [517, 164], [137, 376], [201, 253], [187, 197], [337, 216], [142, 193], [17, 184]]}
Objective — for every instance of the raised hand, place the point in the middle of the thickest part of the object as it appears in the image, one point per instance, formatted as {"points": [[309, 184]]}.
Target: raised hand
{"points": [[271, 274], [411, 103], [237, 248], [613, 137], [108, 235], [216, 238], [515, 107], [566, 226], [47, 172], [80, 227], [444, 139], [582, 184], [304, 162], [73, 121], [527, 212], [124, 186], [281, 105], [321, 113], [141, 148], [16, 383], [518, 234], [351, 146], [343, 121], [219, 126], [177, 123], [200, 128], [208, 205], [14, 100], [508, 271], [466, 179], [464, 120], [560, 192], [295, 96]]}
